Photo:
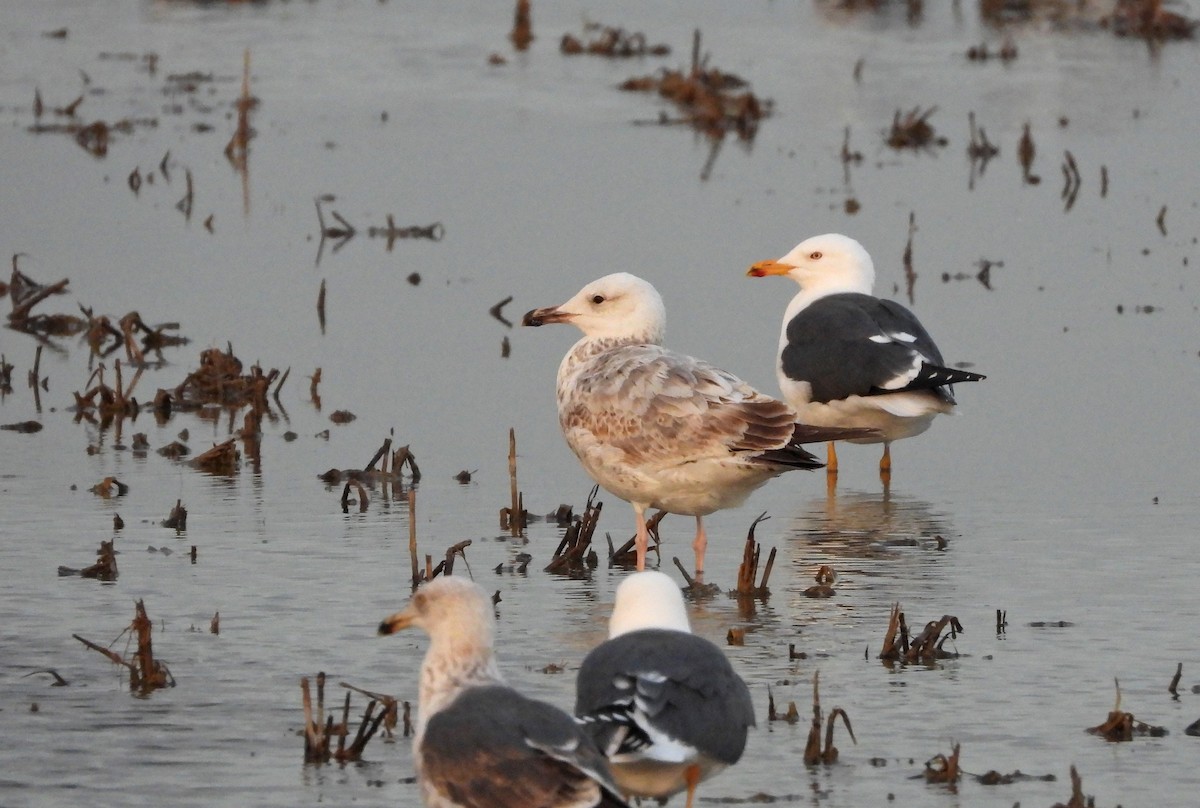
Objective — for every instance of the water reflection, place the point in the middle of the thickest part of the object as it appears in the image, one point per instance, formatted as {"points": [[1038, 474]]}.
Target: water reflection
{"points": [[882, 548], [868, 525]]}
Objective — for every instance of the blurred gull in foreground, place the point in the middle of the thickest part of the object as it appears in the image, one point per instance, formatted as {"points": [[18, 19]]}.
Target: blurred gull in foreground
{"points": [[664, 705], [478, 742], [847, 358], [661, 429]]}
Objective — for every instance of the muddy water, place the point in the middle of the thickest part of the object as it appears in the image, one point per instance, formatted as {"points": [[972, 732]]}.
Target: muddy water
{"points": [[1065, 490]]}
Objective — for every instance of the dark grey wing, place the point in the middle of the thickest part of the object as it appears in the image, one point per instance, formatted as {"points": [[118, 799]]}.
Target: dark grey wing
{"points": [[681, 684], [494, 748], [855, 344]]}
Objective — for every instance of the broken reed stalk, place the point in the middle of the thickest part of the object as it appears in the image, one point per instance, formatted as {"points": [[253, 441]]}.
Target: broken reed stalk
{"points": [[748, 570], [1122, 726], [812, 748], [577, 539], [458, 549], [222, 458], [942, 769], [145, 672], [315, 746], [412, 537], [380, 452], [791, 716], [391, 712], [895, 621], [513, 518], [813, 752]]}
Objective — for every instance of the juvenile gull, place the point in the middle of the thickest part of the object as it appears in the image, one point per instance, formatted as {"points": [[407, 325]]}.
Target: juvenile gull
{"points": [[849, 359], [660, 429], [664, 705], [478, 742]]}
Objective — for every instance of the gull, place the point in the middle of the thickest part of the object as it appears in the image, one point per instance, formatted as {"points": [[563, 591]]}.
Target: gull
{"points": [[664, 705], [479, 742], [847, 358], [658, 428]]}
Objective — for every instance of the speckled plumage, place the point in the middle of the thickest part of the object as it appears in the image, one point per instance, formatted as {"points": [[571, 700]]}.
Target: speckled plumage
{"points": [[479, 743], [657, 428]]}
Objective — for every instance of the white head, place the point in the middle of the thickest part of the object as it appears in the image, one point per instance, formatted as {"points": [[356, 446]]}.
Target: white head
{"points": [[648, 599], [824, 265], [619, 306]]}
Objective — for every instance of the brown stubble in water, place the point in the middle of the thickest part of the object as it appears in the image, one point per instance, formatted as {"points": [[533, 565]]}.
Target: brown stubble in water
{"points": [[814, 753], [146, 673], [320, 730]]}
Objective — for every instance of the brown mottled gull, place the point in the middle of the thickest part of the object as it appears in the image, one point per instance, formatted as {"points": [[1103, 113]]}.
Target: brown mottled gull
{"points": [[661, 429], [479, 743]]}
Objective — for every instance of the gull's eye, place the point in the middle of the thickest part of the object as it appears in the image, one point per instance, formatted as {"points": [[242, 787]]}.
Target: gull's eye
{"points": [[814, 256], [597, 299]]}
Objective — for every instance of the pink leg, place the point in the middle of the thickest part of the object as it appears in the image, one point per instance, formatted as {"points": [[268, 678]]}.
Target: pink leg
{"points": [[699, 546], [642, 538]]}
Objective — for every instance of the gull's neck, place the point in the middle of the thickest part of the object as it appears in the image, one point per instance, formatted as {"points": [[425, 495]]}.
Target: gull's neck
{"points": [[452, 665]]}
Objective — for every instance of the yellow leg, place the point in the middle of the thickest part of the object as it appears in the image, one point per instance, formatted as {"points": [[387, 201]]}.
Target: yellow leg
{"points": [[831, 466], [885, 464]]}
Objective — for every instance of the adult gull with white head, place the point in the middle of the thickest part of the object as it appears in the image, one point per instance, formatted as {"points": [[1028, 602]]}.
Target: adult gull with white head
{"points": [[664, 705], [847, 358]]}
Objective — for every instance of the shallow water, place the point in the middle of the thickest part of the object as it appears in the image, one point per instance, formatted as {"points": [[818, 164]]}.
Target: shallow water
{"points": [[1065, 490]]}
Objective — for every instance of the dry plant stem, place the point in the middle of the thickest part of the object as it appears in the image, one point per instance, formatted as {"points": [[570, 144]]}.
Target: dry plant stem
{"points": [[390, 714], [516, 512], [691, 582], [412, 537], [942, 769], [381, 452], [577, 539], [458, 549], [812, 748]]}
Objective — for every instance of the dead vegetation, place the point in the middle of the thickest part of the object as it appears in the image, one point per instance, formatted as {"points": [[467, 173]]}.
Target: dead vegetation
{"points": [[1122, 726], [341, 231], [389, 473], [943, 769], [611, 42], [925, 647], [1148, 19], [748, 570], [320, 729], [24, 293], [814, 752], [825, 577], [708, 99], [522, 30], [789, 716], [912, 130], [94, 137], [146, 673], [105, 568], [574, 554], [514, 518]]}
